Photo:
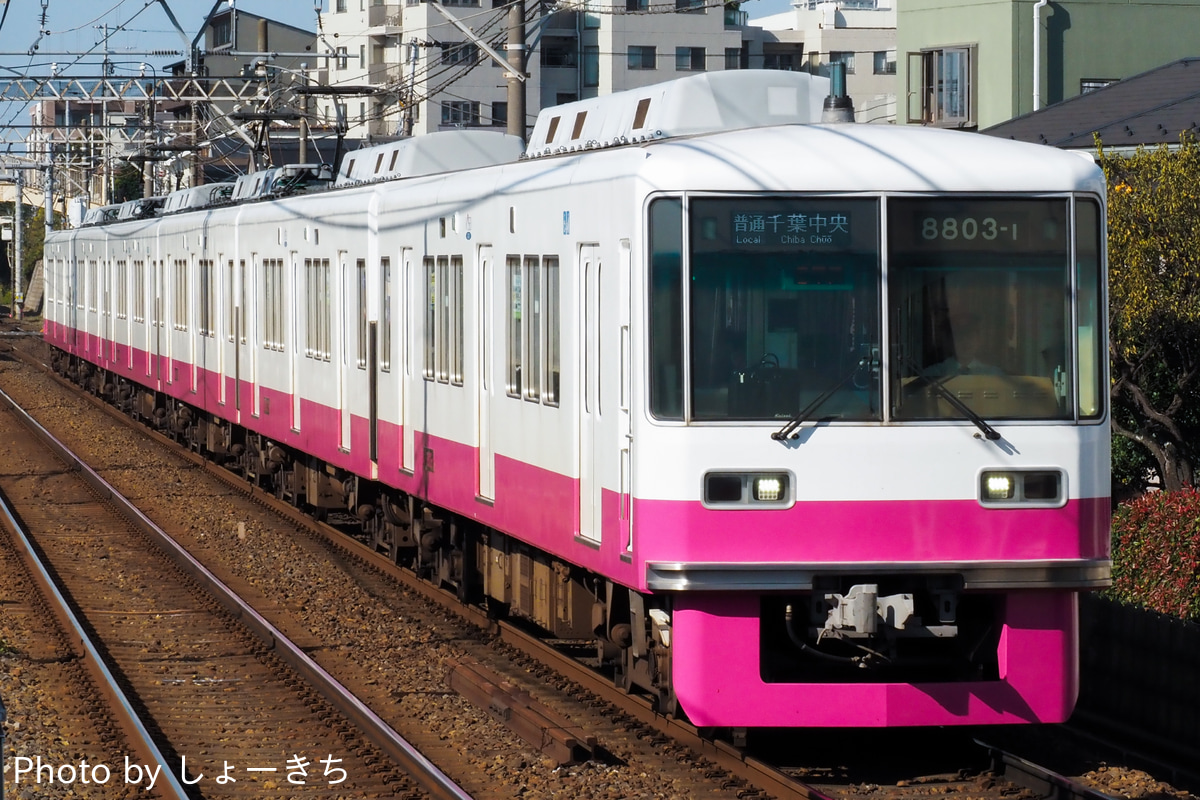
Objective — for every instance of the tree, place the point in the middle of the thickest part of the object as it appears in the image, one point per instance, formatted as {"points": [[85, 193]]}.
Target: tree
{"points": [[1154, 312], [127, 183]]}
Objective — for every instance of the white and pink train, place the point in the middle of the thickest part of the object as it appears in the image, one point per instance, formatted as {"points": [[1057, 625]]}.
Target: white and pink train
{"points": [[803, 424]]}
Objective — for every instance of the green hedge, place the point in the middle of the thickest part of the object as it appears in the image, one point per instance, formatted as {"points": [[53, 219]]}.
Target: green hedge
{"points": [[1156, 553]]}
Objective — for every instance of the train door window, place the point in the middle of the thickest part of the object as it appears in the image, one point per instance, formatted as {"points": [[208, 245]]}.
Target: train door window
{"points": [[430, 370], [385, 314], [360, 271], [206, 297], [442, 336], [553, 341], [533, 327], [1090, 278], [268, 322], [181, 294], [456, 323], [91, 281], [244, 305], [666, 308], [514, 326], [230, 319]]}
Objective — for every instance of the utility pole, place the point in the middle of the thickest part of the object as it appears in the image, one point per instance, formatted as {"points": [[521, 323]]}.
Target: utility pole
{"points": [[303, 119], [18, 245], [515, 50]]}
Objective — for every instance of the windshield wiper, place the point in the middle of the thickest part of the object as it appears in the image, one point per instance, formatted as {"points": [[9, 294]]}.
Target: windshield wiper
{"points": [[788, 431], [988, 431]]}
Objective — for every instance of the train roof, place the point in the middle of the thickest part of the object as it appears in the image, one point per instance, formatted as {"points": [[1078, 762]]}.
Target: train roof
{"points": [[431, 154], [706, 103]]}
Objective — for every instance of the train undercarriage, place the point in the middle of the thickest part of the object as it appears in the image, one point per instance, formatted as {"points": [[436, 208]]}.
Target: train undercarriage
{"points": [[483, 566]]}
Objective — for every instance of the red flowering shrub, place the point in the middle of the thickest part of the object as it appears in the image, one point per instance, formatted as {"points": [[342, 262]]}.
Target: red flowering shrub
{"points": [[1156, 553]]}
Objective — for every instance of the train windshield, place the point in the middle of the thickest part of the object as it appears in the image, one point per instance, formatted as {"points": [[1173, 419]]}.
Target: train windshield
{"points": [[979, 293], [784, 307]]}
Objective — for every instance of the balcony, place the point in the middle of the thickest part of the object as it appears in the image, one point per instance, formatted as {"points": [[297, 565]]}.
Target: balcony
{"points": [[386, 14], [383, 74]]}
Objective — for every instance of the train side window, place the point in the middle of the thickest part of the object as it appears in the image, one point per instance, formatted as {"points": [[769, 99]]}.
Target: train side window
{"points": [[533, 327], [553, 324], [181, 295], [443, 312], [310, 308], [360, 272], [456, 324], [430, 317], [385, 313], [122, 289], [666, 308], [514, 326], [139, 291]]}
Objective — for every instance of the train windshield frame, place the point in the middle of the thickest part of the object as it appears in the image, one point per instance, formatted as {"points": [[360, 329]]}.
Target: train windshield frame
{"points": [[761, 306]]}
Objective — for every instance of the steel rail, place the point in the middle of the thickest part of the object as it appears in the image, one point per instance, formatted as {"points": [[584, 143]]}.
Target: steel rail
{"points": [[127, 717], [423, 771]]}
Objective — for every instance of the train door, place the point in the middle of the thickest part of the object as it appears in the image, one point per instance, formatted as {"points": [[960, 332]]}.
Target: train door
{"points": [[222, 323], [624, 416], [248, 356], [589, 392], [408, 294], [344, 361], [486, 468], [293, 334], [106, 327], [157, 294]]}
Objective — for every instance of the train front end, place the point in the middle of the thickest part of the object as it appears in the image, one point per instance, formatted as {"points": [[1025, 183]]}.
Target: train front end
{"points": [[874, 476]]}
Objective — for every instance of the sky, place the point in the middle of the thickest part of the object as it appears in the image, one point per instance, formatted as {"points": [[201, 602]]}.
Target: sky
{"points": [[77, 26]]}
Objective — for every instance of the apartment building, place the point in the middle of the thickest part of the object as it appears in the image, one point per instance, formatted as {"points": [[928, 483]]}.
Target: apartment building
{"points": [[425, 74], [858, 34]]}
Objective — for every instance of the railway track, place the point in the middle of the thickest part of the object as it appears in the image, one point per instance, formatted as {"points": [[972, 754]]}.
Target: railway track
{"points": [[189, 670], [631, 735]]}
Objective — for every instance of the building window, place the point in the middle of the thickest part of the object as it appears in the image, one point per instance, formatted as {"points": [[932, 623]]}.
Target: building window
{"points": [[885, 62], [460, 112], [560, 53], [642, 57], [781, 61], [733, 58], [689, 59], [941, 87], [341, 6], [591, 65], [637, 5], [500, 114], [460, 53], [342, 56], [690, 5], [222, 32], [843, 57], [1092, 84]]}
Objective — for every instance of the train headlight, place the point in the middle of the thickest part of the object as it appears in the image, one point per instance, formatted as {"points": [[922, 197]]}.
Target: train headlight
{"points": [[725, 489], [1044, 488], [768, 489], [997, 486]]}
